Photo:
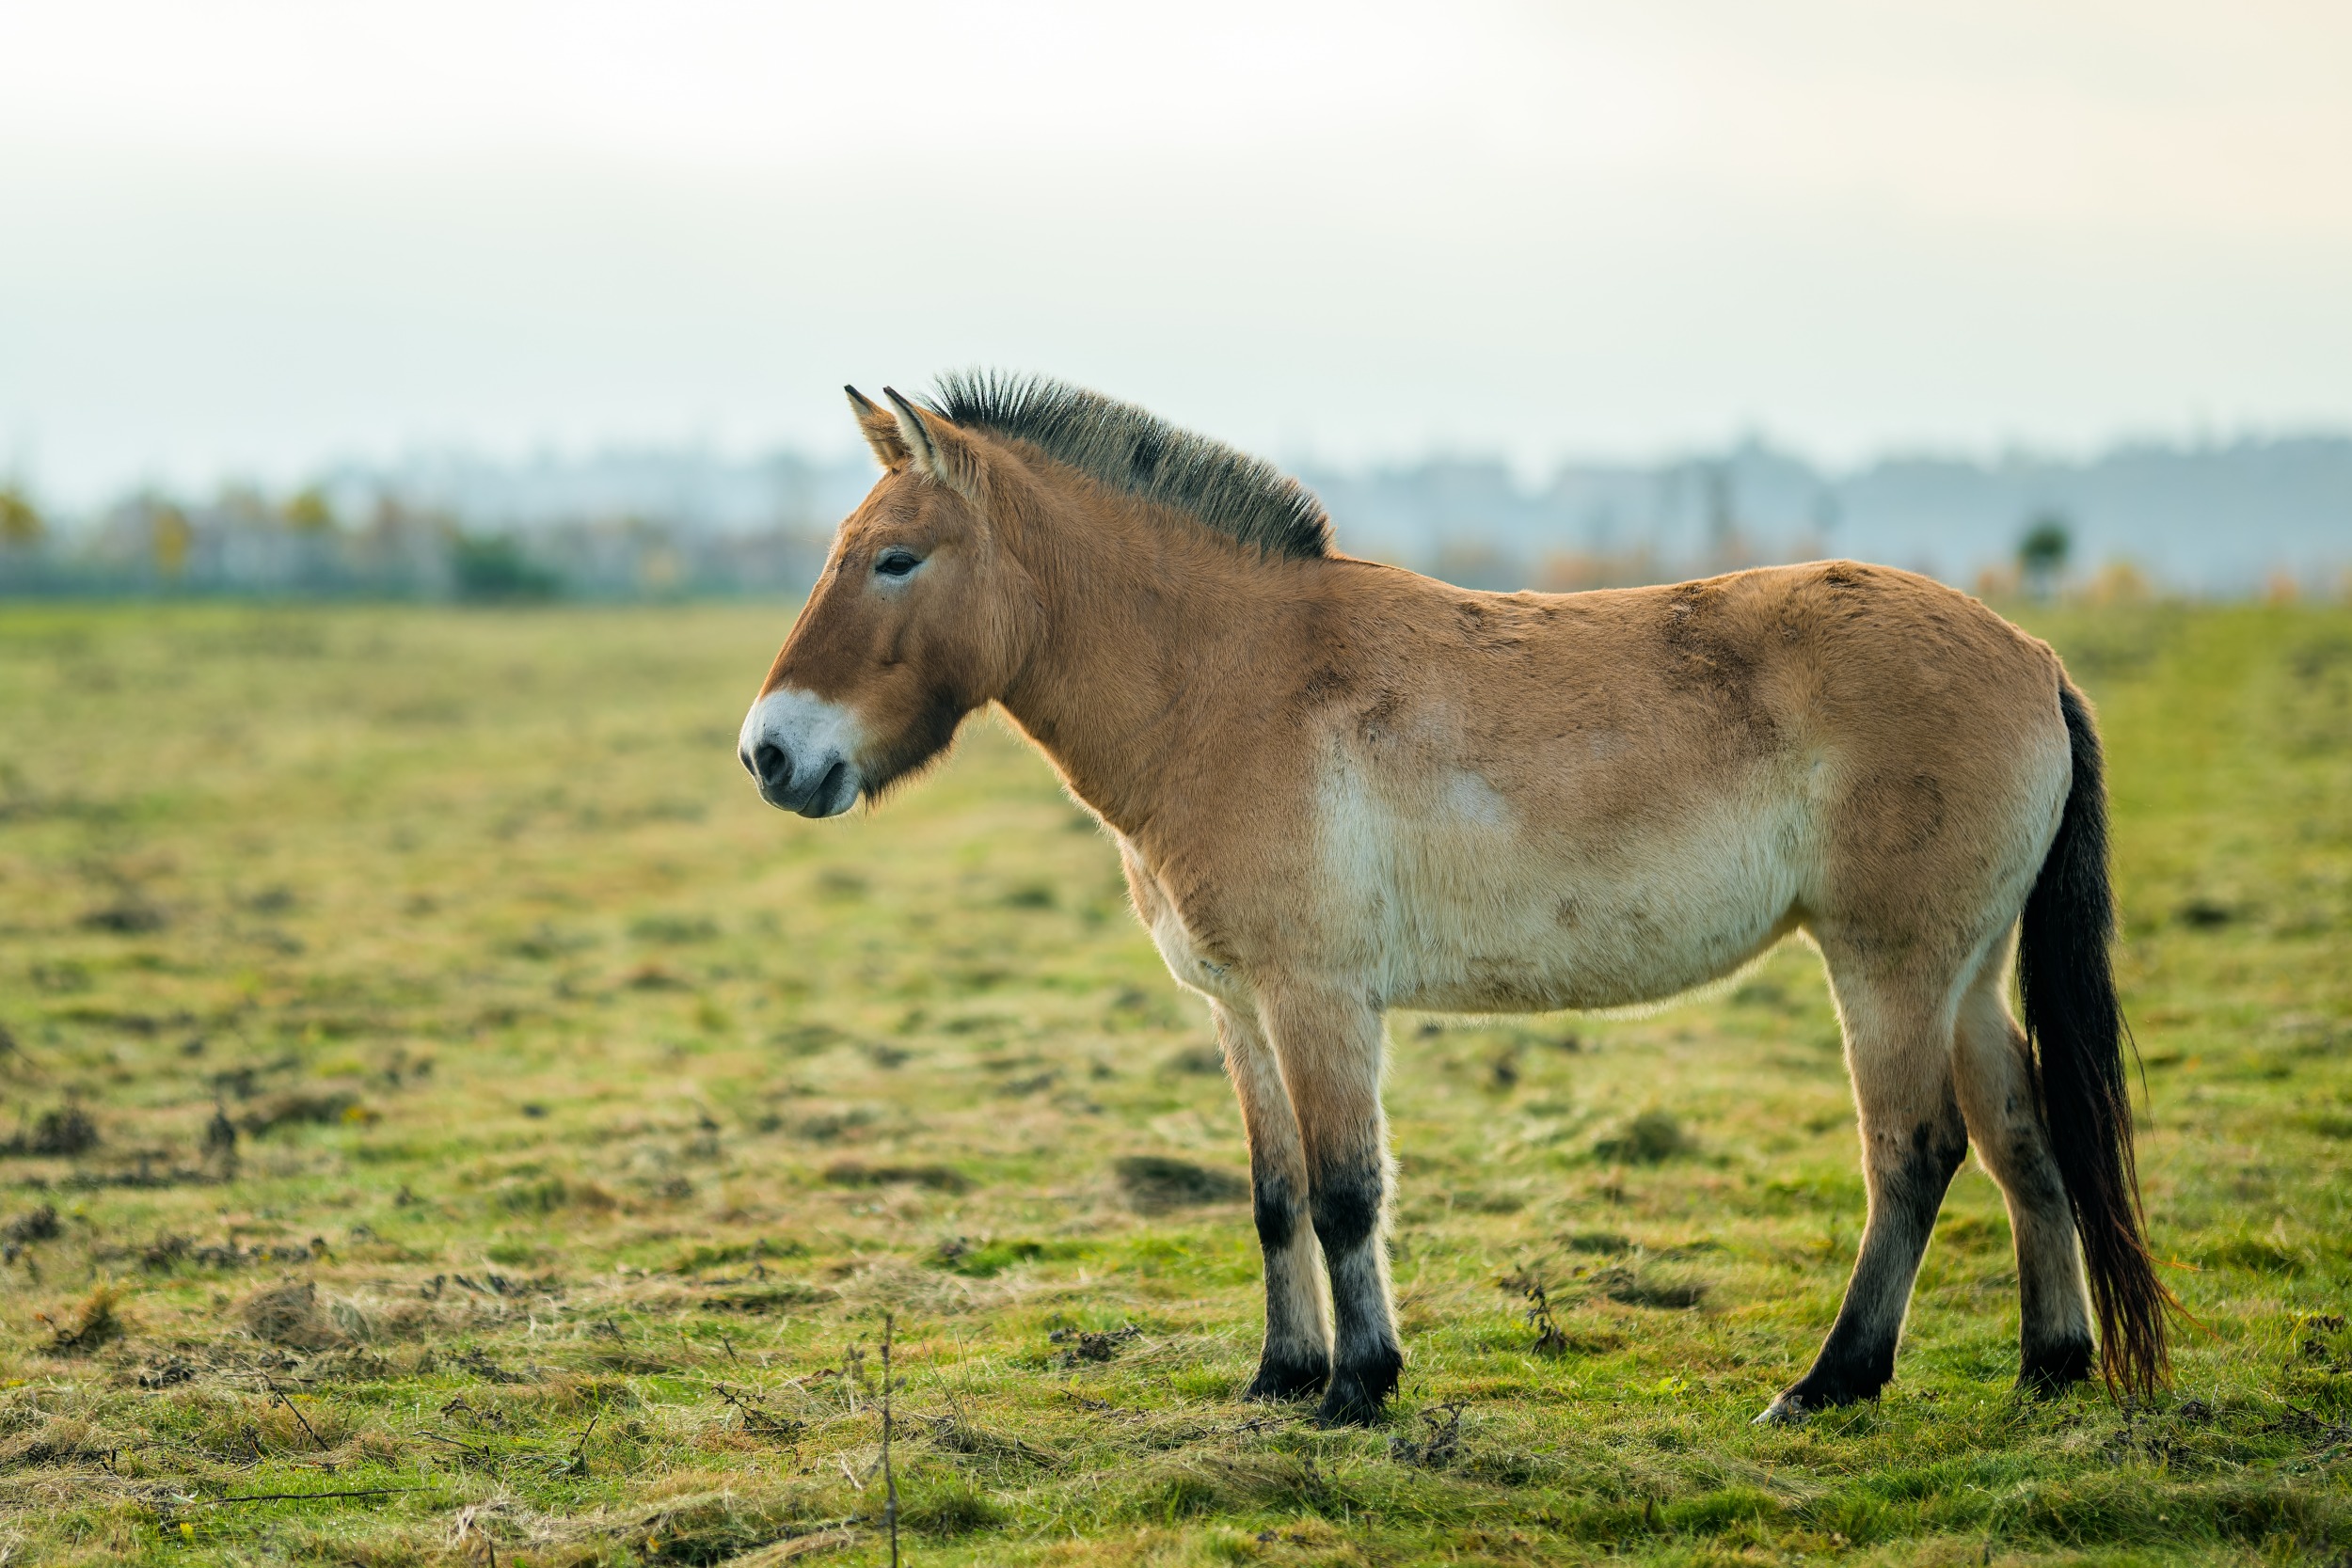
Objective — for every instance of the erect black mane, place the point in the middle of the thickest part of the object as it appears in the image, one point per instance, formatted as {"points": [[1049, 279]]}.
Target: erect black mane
{"points": [[1143, 454]]}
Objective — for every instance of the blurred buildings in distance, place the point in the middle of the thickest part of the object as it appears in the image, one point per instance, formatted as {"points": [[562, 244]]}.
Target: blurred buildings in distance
{"points": [[2223, 520]]}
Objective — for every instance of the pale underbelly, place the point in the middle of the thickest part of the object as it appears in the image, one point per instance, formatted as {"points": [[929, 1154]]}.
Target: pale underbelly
{"points": [[1470, 916], [1514, 936], [1618, 968], [1449, 893]]}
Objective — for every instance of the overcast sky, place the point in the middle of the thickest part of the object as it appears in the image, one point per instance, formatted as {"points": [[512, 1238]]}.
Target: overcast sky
{"points": [[255, 237]]}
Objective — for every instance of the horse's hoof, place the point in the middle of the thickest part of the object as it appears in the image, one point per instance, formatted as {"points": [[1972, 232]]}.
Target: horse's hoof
{"points": [[1278, 1381], [2053, 1368], [1782, 1412], [1339, 1412], [1357, 1394]]}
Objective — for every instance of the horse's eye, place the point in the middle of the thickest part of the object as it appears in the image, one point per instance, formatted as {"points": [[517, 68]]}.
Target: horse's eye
{"points": [[897, 563]]}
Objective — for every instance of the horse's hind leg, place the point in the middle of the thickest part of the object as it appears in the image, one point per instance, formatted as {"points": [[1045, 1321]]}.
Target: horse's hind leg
{"points": [[1898, 1048], [1296, 1358], [1997, 1094]]}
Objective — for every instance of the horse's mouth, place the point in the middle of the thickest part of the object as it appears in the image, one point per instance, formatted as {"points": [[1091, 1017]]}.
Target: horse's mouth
{"points": [[835, 792]]}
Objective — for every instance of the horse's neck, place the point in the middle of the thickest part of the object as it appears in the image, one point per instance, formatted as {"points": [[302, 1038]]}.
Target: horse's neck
{"points": [[1130, 619]]}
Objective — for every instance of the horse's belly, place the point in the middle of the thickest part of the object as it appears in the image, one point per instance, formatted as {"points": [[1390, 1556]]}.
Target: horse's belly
{"points": [[1593, 953], [1477, 914]]}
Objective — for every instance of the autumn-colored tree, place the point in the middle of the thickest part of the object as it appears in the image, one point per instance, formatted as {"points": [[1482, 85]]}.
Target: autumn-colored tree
{"points": [[21, 522], [173, 537], [307, 510]]}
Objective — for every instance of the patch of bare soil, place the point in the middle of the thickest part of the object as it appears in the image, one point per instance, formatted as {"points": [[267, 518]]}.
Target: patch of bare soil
{"points": [[62, 1134], [1152, 1184], [854, 1173]]}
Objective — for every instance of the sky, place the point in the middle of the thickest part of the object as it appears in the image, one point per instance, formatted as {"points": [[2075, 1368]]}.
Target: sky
{"points": [[250, 239]]}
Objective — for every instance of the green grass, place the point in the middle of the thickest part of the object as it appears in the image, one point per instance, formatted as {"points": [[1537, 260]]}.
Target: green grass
{"points": [[588, 1115]]}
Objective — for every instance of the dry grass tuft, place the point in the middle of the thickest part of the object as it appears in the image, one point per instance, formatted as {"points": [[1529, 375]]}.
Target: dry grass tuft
{"points": [[61, 1440], [92, 1322], [710, 1525], [289, 1315]]}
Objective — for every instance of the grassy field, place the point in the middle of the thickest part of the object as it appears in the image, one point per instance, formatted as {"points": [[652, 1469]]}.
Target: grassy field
{"points": [[436, 1088]]}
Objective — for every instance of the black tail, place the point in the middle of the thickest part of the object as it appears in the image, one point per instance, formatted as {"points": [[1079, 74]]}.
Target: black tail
{"points": [[2077, 1030]]}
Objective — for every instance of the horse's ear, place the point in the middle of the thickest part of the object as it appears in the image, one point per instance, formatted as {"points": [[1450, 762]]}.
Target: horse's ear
{"points": [[939, 450], [880, 430]]}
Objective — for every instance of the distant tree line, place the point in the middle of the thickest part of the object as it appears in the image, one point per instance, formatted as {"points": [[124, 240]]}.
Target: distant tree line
{"points": [[300, 543]]}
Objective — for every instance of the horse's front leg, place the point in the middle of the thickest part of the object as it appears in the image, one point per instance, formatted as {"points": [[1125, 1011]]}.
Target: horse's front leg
{"points": [[1297, 1354], [1329, 1045]]}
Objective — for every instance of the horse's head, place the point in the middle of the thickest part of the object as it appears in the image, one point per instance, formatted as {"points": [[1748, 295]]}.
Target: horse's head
{"points": [[920, 617]]}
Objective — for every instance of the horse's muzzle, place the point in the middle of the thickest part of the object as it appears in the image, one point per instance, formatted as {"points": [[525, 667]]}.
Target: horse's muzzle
{"points": [[792, 747]]}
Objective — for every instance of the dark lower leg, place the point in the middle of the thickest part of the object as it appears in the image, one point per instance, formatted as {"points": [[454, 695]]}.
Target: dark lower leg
{"points": [[2053, 1306], [2047, 1363], [1996, 1081], [1329, 1045], [1906, 1190], [1349, 1205], [1296, 1356]]}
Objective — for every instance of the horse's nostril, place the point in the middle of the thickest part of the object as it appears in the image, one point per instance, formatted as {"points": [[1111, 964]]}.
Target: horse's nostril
{"points": [[770, 766]]}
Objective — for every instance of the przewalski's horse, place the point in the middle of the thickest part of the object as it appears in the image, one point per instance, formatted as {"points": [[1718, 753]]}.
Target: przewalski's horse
{"points": [[1339, 787]]}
